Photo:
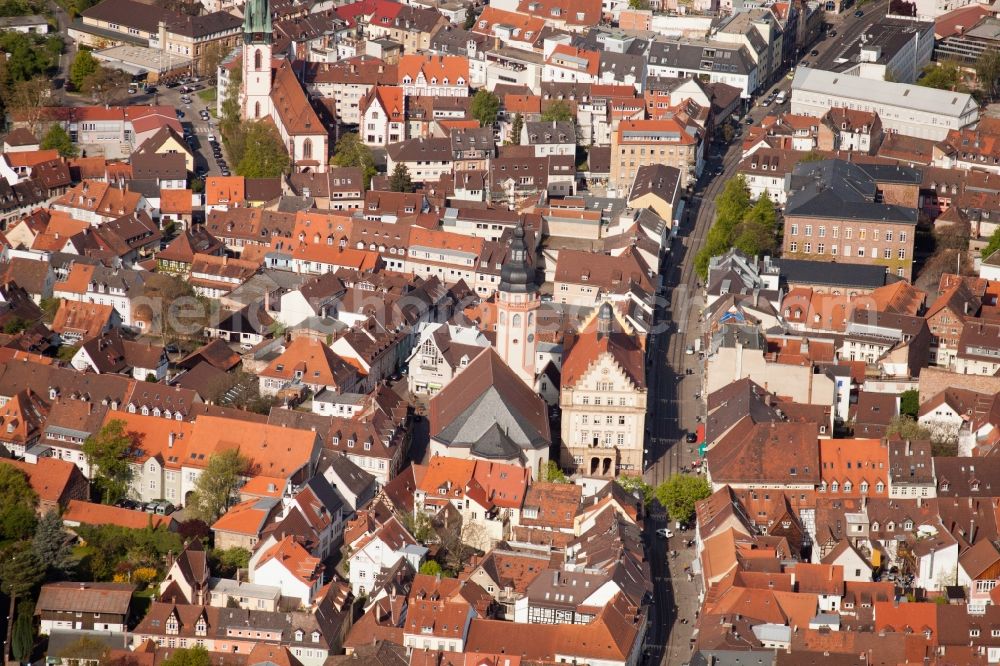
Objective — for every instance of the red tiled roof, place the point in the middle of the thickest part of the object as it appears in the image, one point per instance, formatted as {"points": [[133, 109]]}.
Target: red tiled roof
{"points": [[88, 513]]}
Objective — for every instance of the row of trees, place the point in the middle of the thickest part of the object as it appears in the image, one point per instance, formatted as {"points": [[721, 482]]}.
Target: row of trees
{"points": [[740, 223]]}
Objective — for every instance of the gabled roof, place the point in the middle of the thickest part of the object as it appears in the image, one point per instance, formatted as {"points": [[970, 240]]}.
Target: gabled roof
{"points": [[247, 518], [293, 557], [485, 394], [50, 478], [746, 454], [67, 597], [487, 483], [440, 68], [309, 361], [592, 344], [191, 241], [80, 318]]}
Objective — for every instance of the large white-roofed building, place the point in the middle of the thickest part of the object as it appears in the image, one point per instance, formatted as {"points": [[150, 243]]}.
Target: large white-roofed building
{"points": [[906, 109]]}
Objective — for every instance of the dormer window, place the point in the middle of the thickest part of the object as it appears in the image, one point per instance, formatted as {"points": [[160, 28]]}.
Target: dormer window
{"points": [[200, 627], [315, 637], [908, 525], [298, 634], [173, 626]]}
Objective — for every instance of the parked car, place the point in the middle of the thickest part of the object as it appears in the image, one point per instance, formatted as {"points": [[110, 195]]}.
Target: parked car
{"points": [[859, 13], [664, 532], [691, 438], [814, 53]]}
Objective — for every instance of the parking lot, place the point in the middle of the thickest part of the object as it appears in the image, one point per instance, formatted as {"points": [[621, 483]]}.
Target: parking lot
{"points": [[200, 129]]}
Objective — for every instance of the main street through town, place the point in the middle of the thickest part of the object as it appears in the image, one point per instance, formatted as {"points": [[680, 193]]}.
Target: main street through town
{"points": [[674, 409]]}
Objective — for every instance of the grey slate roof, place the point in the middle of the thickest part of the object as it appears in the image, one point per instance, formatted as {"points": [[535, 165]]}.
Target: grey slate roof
{"points": [[690, 55], [353, 477], [800, 271], [846, 190], [555, 132]]}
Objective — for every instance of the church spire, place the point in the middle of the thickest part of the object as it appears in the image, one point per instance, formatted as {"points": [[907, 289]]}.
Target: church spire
{"points": [[257, 22], [517, 275]]}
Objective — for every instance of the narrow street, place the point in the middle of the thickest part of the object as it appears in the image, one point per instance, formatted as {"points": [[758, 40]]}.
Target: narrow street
{"points": [[673, 411], [673, 407]]}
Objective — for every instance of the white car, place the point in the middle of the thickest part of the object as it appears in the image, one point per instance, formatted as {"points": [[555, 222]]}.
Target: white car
{"points": [[664, 532]]}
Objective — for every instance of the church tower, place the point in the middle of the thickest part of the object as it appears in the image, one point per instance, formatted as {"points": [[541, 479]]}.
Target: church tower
{"points": [[517, 302], [256, 59]]}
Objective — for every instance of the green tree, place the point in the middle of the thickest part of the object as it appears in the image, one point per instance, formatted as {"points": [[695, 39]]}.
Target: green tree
{"points": [[235, 558], [516, 125], [470, 18], [812, 156], [731, 207], [993, 245], [113, 549], [419, 525], [106, 85], [351, 152], [755, 233], [431, 568], [946, 75], [906, 427], [988, 72], [49, 308], [24, 632], [680, 493], [15, 325], [638, 4], [196, 656], [264, 155], [83, 67], [24, 59], [217, 485], [484, 107], [20, 570], [553, 474], [399, 179], [230, 107], [57, 138], [52, 544], [558, 111], [108, 453], [635, 484], [17, 504], [909, 403]]}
